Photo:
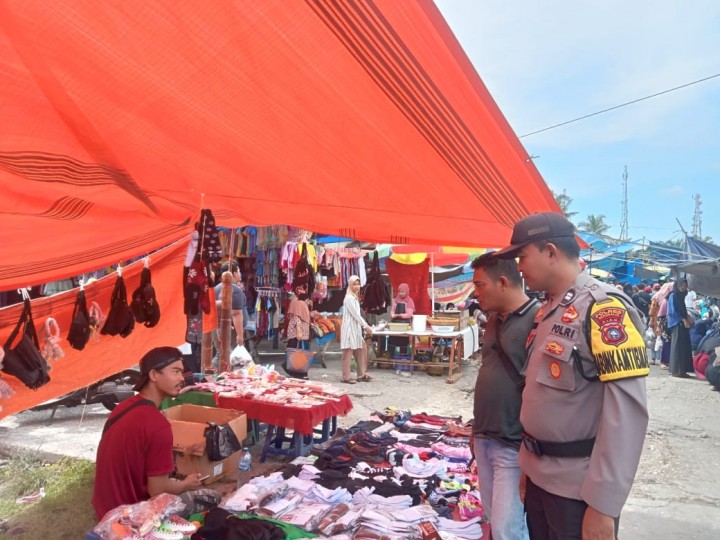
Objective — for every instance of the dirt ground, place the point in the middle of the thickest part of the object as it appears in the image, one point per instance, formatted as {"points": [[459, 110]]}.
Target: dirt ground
{"points": [[676, 493]]}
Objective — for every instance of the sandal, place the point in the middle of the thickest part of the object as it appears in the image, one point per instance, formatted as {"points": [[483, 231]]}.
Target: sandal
{"points": [[365, 378], [348, 381]]}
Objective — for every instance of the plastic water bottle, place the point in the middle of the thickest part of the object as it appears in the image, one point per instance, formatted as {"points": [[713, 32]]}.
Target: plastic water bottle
{"points": [[245, 463]]}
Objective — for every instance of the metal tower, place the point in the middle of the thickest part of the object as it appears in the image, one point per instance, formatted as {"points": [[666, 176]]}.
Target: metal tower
{"points": [[624, 232], [697, 217]]}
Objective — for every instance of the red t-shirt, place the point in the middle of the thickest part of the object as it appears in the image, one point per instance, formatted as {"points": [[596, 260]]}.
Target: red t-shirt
{"points": [[137, 446]]}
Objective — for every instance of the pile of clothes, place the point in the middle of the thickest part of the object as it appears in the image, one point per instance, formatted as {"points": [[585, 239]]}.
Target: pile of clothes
{"points": [[396, 476]]}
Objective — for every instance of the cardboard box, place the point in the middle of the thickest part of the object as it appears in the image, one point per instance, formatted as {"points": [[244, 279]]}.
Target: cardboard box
{"points": [[188, 424]]}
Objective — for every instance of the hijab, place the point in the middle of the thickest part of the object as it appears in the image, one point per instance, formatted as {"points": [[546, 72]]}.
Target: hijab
{"points": [[349, 292], [409, 304], [300, 309]]}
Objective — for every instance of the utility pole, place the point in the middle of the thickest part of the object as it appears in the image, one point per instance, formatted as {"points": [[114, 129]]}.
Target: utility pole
{"points": [[624, 232], [697, 217]]}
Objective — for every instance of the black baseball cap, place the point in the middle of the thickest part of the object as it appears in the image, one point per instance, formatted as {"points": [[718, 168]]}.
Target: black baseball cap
{"points": [[157, 358], [536, 227]]}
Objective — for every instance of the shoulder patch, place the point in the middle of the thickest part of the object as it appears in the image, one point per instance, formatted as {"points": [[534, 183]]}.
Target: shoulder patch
{"points": [[616, 343]]}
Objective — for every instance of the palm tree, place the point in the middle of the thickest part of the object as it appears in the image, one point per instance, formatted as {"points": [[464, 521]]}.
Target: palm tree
{"points": [[594, 224], [564, 201]]}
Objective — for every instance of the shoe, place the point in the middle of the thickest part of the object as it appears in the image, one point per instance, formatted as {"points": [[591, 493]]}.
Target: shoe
{"points": [[162, 532], [348, 381], [178, 524], [365, 378]]}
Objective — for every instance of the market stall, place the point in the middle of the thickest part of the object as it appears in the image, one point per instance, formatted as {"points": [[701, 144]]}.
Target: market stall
{"points": [[462, 344], [274, 404], [394, 475]]}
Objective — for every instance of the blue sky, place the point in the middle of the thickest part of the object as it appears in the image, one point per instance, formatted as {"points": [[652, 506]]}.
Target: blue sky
{"points": [[552, 61]]}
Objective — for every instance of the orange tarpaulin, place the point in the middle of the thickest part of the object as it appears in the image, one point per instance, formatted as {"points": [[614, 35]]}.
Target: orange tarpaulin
{"points": [[361, 118], [105, 355]]}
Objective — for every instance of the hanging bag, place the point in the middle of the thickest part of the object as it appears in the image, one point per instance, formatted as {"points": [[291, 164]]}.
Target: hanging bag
{"points": [[24, 360], [120, 319], [297, 361], [144, 303], [220, 441], [79, 333]]}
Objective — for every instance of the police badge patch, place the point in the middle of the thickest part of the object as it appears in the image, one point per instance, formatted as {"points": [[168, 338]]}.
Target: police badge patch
{"points": [[610, 321], [617, 345]]}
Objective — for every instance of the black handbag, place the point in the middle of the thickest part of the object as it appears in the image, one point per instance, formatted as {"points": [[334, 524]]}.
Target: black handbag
{"points": [[144, 304], [24, 361], [220, 441], [120, 319], [79, 333]]}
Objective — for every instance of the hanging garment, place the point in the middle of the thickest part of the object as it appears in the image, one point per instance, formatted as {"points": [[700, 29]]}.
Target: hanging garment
{"points": [[209, 239], [376, 297]]}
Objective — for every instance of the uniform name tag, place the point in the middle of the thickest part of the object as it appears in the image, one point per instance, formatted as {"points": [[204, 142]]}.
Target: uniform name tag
{"points": [[617, 345], [562, 330]]}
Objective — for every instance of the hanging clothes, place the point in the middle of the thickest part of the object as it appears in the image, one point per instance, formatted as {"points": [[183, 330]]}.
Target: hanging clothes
{"points": [[376, 297], [209, 238]]}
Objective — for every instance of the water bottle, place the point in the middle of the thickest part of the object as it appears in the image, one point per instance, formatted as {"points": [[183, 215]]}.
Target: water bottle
{"points": [[244, 464]]}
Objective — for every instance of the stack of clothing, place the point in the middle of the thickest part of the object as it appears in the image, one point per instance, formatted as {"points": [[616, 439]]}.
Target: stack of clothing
{"points": [[395, 476]]}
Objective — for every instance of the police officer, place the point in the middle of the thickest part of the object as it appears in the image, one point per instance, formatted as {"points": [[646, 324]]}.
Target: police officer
{"points": [[584, 410]]}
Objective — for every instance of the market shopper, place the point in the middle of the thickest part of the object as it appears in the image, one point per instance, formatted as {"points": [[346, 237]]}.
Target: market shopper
{"points": [[497, 433], [240, 316], [135, 455], [352, 341], [584, 407], [679, 323]]}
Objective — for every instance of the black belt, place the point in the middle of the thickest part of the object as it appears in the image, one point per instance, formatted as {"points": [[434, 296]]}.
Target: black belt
{"points": [[573, 449]]}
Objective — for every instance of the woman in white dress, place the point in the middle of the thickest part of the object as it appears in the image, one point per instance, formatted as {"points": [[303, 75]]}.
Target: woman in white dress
{"points": [[351, 334]]}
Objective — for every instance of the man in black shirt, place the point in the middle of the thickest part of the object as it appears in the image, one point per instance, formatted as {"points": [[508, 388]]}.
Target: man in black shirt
{"points": [[498, 392]]}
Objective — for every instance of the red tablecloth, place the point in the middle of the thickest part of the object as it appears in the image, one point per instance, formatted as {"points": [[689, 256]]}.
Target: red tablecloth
{"points": [[301, 420]]}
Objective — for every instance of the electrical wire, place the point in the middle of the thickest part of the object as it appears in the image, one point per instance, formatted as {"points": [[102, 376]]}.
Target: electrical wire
{"points": [[621, 105]]}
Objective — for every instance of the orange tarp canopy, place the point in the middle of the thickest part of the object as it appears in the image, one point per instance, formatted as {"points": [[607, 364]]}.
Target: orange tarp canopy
{"points": [[363, 119]]}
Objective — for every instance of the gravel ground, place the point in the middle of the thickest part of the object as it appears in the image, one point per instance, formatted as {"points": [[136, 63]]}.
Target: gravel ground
{"points": [[676, 493]]}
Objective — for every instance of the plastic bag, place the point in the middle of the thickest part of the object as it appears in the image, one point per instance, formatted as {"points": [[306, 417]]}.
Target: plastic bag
{"points": [[240, 355], [133, 520]]}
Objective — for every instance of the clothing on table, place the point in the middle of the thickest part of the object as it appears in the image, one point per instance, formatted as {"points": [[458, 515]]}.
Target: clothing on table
{"points": [[136, 446], [351, 336]]}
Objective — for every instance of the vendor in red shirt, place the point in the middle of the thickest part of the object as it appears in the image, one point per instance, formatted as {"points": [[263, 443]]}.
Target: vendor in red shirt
{"points": [[135, 456]]}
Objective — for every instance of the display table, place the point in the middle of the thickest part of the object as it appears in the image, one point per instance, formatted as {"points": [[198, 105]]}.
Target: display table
{"points": [[302, 420], [467, 337]]}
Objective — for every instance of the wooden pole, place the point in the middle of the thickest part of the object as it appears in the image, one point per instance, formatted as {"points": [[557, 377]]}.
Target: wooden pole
{"points": [[225, 320]]}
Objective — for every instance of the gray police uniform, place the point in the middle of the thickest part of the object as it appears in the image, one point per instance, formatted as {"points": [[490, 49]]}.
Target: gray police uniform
{"points": [[585, 389]]}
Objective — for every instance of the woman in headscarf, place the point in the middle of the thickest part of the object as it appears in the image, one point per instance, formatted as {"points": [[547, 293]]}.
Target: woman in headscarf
{"points": [[661, 299], [352, 340], [679, 323], [298, 328], [402, 306]]}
